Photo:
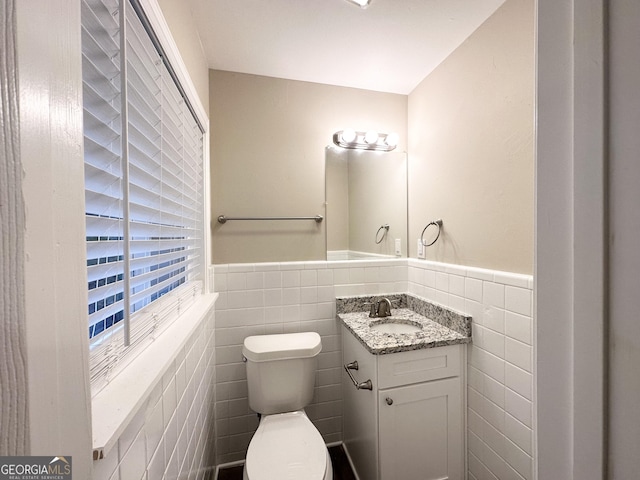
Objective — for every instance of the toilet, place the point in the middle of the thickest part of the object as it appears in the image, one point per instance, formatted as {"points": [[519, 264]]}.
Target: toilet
{"points": [[281, 372]]}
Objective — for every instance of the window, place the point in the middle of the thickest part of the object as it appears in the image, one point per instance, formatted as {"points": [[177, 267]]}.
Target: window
{"points": [[143, 185]]}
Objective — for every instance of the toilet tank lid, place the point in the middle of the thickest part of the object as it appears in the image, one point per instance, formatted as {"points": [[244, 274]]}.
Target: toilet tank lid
{"points": [[262, 348]]}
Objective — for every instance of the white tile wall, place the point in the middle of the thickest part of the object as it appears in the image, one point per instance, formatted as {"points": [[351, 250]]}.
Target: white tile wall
{"points": [[173, 434], [299, 296], [499, 370], [287, 297]]}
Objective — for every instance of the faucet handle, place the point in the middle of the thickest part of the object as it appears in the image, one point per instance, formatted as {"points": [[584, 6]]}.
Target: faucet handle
{"points": [[373, 311]]}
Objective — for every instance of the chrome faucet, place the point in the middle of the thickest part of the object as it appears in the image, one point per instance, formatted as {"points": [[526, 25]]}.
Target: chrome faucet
{"points": [[381, 308], [384, 307]]}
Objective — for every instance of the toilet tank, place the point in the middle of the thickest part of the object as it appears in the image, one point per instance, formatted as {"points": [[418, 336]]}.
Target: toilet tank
{"points": [[281, 370]]}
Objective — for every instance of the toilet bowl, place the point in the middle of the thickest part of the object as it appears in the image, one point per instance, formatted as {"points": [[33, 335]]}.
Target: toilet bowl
{"points": [[281, 372], [287, 446]]}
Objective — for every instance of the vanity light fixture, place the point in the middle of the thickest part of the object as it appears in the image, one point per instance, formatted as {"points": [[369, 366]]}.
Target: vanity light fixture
{"points": [[392, 140], [371, 137], [361, 3], [370, 140], [348, 135]]}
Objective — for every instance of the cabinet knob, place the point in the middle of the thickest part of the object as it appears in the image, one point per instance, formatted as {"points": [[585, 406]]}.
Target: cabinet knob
{"points": [[389, 400]]}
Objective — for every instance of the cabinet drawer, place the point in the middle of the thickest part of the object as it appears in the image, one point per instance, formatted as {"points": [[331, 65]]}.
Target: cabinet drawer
{"points": [[415, 366]]}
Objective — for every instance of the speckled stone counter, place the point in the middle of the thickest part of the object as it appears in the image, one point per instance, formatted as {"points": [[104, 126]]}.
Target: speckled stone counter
{"points": [[440, 326]]}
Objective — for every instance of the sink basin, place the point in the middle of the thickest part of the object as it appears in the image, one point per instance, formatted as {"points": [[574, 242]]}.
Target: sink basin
{"points": [[395, 326]]}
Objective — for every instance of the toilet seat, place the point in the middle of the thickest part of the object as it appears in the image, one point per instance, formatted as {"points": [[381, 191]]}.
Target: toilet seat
{"points": [[286, 446]]}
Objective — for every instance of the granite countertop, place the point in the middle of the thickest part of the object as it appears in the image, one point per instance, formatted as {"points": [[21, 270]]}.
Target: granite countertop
{"points": [[440, 325]]}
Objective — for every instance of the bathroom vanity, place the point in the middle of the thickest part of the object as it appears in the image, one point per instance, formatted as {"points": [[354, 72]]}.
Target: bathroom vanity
{"points": [[403, 389]]}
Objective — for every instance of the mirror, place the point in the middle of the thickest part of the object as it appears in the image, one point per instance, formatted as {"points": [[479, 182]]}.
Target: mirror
{"points": [[365, 191]]}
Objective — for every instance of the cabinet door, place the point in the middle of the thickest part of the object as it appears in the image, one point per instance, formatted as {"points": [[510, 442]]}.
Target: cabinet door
{"points": [[421, 435]]}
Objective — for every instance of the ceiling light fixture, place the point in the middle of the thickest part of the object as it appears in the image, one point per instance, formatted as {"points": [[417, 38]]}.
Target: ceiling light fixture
{"points": [[370, 140], [361, 3]]}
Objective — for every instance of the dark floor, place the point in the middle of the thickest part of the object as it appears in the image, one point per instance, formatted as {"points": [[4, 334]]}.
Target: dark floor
{"points": [[341, 468]]}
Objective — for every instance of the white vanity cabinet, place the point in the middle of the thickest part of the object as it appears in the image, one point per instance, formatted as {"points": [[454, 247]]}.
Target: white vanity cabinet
{"points": [[410, 425]]}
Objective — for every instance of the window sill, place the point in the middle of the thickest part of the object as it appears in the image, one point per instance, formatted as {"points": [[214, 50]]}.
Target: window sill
{"points": [[117, 403]]}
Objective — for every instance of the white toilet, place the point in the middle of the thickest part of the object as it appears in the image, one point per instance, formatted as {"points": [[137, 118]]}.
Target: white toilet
{"points": [[281, 371]]}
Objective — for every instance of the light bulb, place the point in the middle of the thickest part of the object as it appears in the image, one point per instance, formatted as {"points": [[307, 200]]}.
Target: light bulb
{"points": [[361, 3], [392, 140], [371, 137], [348, 135]]}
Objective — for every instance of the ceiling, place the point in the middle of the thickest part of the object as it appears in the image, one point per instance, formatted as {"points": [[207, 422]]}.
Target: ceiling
{"points": [[389, 46]]}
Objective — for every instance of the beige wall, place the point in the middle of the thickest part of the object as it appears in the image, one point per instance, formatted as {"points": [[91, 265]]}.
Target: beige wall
{"points": [[471, 147], [337, 195], [268, 139], [184, 32]]}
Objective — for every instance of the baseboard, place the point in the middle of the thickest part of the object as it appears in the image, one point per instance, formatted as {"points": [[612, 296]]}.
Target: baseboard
{"points": [[210, 473], [226, 465], [353, 468]]}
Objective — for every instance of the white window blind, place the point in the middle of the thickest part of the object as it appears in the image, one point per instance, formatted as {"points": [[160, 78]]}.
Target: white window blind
{"points": [[143, 184]]}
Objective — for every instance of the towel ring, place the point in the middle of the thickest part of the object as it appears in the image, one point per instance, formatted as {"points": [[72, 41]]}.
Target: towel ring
{"points": [[386, 229], [437, 223]]}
